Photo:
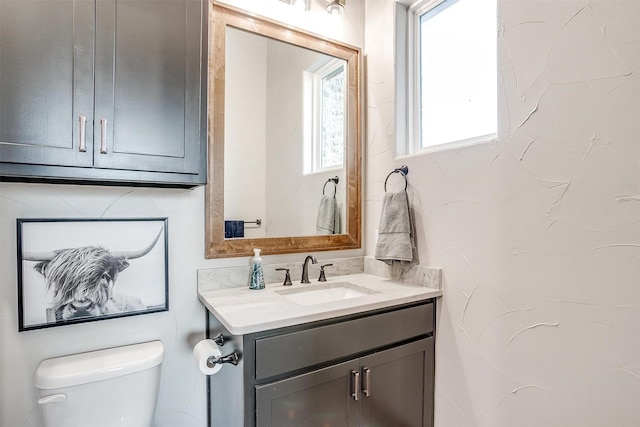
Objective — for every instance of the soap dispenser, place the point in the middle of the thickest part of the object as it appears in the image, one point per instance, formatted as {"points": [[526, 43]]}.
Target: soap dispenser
{"points": [[257, 275]]}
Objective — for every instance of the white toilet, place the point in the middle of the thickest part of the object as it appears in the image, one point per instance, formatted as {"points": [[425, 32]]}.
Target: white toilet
{"points": [[105, 388]]}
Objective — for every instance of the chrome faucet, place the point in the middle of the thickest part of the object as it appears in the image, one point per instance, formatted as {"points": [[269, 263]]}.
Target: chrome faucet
{"points": [[305, 268]]}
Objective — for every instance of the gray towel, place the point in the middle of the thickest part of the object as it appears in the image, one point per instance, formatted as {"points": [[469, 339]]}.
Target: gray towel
{"points": [[328, 220], [396, 231]]}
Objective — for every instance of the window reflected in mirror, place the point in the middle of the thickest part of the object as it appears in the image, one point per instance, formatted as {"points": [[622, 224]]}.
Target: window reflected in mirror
{"points": [[324, 116], [285, 131]]}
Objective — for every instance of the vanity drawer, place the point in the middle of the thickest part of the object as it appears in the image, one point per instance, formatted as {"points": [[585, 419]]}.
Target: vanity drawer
{"points": [[289, 352]]}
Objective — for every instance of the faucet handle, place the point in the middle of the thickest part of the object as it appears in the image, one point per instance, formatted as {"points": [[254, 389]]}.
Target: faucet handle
{"points": [[287, 277], [322, 277]]}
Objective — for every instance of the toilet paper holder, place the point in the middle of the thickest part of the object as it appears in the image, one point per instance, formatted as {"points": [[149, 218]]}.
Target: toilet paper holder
{"points": [[232, 358], [219, 339]]}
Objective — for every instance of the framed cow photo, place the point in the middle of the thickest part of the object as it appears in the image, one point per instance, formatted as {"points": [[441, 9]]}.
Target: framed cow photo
{"points": [[81, 270]]}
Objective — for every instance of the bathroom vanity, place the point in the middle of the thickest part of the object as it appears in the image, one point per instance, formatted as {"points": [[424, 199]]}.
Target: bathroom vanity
{"points": [[359, 351]]}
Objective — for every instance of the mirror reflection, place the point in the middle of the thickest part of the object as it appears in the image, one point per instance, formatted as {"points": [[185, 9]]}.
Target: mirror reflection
{"points": [[284, 139], [285, 118]]}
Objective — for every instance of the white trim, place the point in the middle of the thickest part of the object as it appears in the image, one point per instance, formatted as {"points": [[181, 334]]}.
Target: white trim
{"points": [[401, 73], [421, 6], [459, 144], [413, 80], [480, 140]]}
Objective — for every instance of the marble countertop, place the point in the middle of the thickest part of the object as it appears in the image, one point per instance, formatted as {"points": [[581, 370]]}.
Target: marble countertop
{"points": [[244, 311]]}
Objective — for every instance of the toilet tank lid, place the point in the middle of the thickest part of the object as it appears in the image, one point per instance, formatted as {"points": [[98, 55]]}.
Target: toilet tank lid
{"points": [[82, 368]]}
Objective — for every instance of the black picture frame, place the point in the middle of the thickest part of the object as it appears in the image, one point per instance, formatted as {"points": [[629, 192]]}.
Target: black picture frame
{"points": [[74, 270]]}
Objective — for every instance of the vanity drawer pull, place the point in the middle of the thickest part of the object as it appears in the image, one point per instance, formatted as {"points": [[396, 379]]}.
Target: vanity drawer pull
{"points": [[366, 382], [82, 145], [356, 385], [103, 136]]}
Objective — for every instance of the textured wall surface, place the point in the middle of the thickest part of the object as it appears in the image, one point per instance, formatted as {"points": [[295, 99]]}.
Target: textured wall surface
{"points": [[538, 232]]}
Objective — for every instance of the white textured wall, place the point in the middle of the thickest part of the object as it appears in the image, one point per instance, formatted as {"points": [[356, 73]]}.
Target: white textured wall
{"points": [[539, 232], [182, 401]]}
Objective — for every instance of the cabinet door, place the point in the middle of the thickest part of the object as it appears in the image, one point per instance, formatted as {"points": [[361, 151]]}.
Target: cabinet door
{"points": [[148, 81], [46, 81], [317, 399], [397, 386]]}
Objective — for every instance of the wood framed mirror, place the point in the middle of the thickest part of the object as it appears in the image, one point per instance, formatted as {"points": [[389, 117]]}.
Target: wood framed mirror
{"points": [[264, 133]]}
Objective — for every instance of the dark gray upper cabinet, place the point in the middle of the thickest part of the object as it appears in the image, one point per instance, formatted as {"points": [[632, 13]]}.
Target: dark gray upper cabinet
{"points": [[46, 81], [103, 91]]}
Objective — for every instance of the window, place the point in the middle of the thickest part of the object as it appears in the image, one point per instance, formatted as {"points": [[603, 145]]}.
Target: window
{"points": [[451, 75], [325, 119]]}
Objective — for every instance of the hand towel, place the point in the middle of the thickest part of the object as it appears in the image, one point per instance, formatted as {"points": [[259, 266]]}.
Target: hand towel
{"points": [[396, 231], [328, 220], [233, 228]]}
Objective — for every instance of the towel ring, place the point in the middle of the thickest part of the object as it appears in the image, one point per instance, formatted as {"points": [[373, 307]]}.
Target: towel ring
{"points": [[335, 181], [402, 170]]}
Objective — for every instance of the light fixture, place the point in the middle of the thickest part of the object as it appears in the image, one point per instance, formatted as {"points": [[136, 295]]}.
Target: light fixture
{"points": [[336, 7]]}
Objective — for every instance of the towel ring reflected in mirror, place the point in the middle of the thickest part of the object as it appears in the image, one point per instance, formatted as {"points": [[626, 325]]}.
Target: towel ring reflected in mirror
{"points": [[335, 181], [402, 170]]}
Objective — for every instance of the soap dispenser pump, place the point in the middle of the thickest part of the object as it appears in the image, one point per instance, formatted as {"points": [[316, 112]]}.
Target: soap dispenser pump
{"points": [[257, 275]]}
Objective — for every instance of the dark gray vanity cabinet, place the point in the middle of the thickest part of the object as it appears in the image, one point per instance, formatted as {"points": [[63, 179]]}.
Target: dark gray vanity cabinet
{"points": [[103, 91], [397, 385], [388, 388], [315, 398], [371, 369]]}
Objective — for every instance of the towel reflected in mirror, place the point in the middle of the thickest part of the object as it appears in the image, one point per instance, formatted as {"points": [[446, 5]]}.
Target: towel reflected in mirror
{"points": [[328, 220]]}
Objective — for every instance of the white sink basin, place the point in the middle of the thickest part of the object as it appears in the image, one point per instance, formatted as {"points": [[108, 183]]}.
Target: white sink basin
{"points": [[327, 292]]}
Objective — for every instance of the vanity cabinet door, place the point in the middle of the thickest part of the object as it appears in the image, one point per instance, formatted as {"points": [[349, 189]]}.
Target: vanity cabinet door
{"points": [[316, 399], [46, 82], [397, 386], [148, 86]]}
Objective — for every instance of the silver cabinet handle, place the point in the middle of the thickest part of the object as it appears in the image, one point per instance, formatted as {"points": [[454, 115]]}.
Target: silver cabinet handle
{"points": [[366, 389], [356, 385], [83, 127], [103, 136]]}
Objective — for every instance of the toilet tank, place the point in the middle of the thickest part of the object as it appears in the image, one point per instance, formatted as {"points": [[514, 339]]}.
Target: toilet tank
{"points": [[104, 388]]}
